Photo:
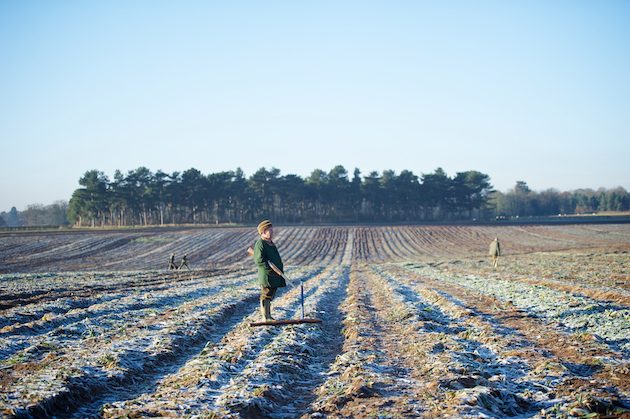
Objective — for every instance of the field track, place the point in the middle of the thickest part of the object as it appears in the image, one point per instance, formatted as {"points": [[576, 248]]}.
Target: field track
{"points": [[416, 323]]}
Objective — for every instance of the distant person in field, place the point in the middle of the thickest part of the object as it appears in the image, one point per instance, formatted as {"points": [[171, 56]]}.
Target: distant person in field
{"points": [[270, 278], [171, 262], [184, 263], [495, 251]]}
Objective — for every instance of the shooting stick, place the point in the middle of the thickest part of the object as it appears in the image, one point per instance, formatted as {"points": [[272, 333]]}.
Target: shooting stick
{"points": [[279, 272]]}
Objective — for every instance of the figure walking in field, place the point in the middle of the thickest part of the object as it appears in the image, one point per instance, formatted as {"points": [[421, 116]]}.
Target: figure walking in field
{"points": [[184, 263], [171, 262], [270, 277], [495, 251]]}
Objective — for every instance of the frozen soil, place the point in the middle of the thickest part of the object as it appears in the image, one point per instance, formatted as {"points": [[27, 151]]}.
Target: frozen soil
{"points": [[416, 323]]}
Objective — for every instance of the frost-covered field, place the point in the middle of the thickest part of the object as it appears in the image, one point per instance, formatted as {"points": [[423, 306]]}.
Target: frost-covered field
{"points": [[416, 323]]}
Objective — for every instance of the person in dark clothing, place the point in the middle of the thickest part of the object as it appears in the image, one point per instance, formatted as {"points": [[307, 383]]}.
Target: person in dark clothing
{"points": [[270, 277], [171, 262], [184, 263]]}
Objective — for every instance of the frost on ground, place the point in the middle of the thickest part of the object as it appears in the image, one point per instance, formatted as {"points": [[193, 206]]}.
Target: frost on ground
{"points": [[416, 323]]}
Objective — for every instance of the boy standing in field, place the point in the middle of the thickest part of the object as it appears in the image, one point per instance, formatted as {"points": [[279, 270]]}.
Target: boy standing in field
{"points": [[270, 277], [495, 251]]}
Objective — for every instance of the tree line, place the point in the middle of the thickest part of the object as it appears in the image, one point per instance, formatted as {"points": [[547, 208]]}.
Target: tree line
{"points": [[55, 214], [523, 202], [141, 197]]}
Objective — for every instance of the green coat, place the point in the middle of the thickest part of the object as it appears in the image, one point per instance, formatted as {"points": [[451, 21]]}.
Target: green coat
{"points": [[264, 253]]}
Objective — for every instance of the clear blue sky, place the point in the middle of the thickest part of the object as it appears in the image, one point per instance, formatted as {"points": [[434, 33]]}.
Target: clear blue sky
{"points": [[520, 90]]}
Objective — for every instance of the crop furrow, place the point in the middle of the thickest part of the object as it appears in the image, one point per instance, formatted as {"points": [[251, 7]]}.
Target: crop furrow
{"points": [[368, 375], [199, 382], [83, 390], [566, 364]]}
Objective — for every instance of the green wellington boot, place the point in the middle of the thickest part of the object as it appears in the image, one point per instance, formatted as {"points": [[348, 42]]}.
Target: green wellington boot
{"points": [[268, 310], [263, 310]]}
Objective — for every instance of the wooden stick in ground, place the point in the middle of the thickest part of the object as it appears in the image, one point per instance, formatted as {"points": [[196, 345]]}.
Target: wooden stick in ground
{"points": [[279, 272], [284, 322]]}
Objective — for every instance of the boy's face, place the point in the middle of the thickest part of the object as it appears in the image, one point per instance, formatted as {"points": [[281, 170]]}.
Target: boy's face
{"points": [[267, 234]]}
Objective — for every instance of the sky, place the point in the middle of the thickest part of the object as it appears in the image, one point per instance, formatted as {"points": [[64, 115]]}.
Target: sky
{"points": [[536, 91]]}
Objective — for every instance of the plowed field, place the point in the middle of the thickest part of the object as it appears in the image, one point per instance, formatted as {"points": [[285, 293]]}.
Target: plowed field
{"points": [[416, 323]]}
